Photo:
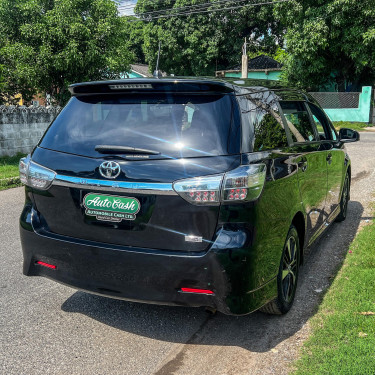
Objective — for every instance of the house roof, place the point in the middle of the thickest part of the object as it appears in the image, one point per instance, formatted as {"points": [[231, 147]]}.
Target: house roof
{"points": [[261, 62], [142, 69]]}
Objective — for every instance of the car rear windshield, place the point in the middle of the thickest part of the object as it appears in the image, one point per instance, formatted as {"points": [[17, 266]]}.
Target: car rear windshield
{"points": [[173, 125]]}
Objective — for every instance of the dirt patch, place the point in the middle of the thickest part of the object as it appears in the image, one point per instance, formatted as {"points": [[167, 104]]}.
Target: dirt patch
{"points": [[361, 175]]}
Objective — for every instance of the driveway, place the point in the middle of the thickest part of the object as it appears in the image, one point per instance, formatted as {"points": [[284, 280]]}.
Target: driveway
{"points": [[47, 328]]}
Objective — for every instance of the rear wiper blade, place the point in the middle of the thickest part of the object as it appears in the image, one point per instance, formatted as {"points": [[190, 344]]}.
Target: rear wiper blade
{"points": [[109, 149]]}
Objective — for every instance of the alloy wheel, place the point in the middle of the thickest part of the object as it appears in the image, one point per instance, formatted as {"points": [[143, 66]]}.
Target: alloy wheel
{"points": [[345, 194], [290, 269]]}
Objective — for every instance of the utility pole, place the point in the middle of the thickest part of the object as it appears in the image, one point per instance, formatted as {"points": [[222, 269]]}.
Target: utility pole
{"points": [[157, 72], [245, 61]]}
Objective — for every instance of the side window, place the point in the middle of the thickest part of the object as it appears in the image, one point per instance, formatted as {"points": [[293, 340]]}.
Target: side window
{"points": [[322, 124], [269, 132], [262, 125], [333, 132], [298, 121]]}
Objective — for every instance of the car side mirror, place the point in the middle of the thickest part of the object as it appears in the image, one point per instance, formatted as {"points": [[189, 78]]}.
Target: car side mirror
{"points": [[348, 135]]}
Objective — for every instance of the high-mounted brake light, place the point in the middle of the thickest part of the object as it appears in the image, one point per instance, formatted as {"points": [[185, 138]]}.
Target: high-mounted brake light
{"points": [[131, 86], [196, 291], [244, 183], [35, 175]]}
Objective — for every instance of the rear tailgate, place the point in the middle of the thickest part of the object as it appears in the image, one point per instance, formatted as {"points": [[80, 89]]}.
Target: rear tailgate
{"points": [[164, 218], [153, 138]]}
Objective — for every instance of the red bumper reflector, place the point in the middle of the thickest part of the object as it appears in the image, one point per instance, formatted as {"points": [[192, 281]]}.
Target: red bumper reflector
{"points": [[198, 291], [46, 265]]}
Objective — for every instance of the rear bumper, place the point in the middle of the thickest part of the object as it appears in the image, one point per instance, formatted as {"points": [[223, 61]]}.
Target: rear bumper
{"points": [[142, 275]]}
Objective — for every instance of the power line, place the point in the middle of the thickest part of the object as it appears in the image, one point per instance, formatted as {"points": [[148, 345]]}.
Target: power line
{"points": [[188, 13], [148, 16], [188, 7], [131, 6]]}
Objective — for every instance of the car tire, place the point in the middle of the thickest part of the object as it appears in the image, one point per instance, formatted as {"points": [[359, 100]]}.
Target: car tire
{"points": [[287, 277], [345, 196]]}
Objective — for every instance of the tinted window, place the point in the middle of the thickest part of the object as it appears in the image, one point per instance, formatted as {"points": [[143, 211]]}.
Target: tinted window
{"points": [[298, 121], [174, 125], [321, 122], [269, 133], [261, 117]]}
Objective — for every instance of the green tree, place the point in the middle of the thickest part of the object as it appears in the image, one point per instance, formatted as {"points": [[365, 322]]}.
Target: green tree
{"points": [[48, 44], [199, 44], [135, 38], [329, 41], [277, 54]]}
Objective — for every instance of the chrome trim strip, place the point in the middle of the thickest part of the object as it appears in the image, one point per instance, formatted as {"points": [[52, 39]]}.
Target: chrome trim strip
{"points": [[115, 186]]}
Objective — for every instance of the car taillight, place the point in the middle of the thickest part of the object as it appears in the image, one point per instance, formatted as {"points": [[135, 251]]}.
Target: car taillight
{"points": [[35, 175], [200, 190], [23, 169], [244, 183]]}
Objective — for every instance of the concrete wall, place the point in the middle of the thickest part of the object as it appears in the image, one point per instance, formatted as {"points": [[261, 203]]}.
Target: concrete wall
{"points": [[22, 127], [133, 74], [360, 114]]}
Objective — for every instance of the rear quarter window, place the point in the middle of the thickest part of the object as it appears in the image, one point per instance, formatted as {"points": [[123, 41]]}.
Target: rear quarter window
{"points": [[298, 120], [264, 127]]}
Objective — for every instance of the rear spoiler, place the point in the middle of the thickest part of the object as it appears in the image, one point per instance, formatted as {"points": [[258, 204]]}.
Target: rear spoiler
{"points": [[150, 86]]}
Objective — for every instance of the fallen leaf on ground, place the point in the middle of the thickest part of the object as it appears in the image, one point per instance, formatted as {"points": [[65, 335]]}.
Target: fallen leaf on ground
{"points": [[362, 334], [274, 350], [367, 313]]}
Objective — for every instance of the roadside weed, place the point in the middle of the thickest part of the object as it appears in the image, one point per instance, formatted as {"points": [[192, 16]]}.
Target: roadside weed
{"points": [[343, 330], [9, 171]]}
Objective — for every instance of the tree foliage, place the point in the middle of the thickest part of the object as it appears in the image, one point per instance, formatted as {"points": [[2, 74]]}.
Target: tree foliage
{"points": [[329, 41], [135, 39], [199, 44], [48, 44]]}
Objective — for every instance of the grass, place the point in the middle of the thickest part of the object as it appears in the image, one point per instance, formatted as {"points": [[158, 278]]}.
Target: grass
{"points": [[343, 330], [9, 171], [359, 126]]}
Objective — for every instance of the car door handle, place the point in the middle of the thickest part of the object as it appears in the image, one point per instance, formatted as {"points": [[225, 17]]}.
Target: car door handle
{"points": [[329, 158], [302, 164]]}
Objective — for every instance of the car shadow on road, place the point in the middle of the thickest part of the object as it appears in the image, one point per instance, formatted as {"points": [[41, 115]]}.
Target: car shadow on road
{"points": [[256, 332]]}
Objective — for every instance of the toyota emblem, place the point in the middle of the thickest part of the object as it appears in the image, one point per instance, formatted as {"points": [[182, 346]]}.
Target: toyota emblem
{"points": [[109, 169]]}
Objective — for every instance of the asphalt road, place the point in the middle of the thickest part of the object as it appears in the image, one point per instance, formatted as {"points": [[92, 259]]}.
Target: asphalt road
{"points": [[47, 328]]}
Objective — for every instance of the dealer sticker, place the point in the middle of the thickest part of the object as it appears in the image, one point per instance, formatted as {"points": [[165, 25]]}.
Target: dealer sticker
{"points": [[111, 207]]}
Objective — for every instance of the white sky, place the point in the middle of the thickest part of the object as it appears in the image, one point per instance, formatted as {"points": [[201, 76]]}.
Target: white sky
{"points": [[126, 7]]}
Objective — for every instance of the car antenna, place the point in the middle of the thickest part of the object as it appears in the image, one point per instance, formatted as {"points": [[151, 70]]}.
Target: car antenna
{"points": [[157, 72]]}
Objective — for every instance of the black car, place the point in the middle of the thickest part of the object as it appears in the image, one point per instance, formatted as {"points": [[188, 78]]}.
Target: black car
{"points": [[194, 192]]}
